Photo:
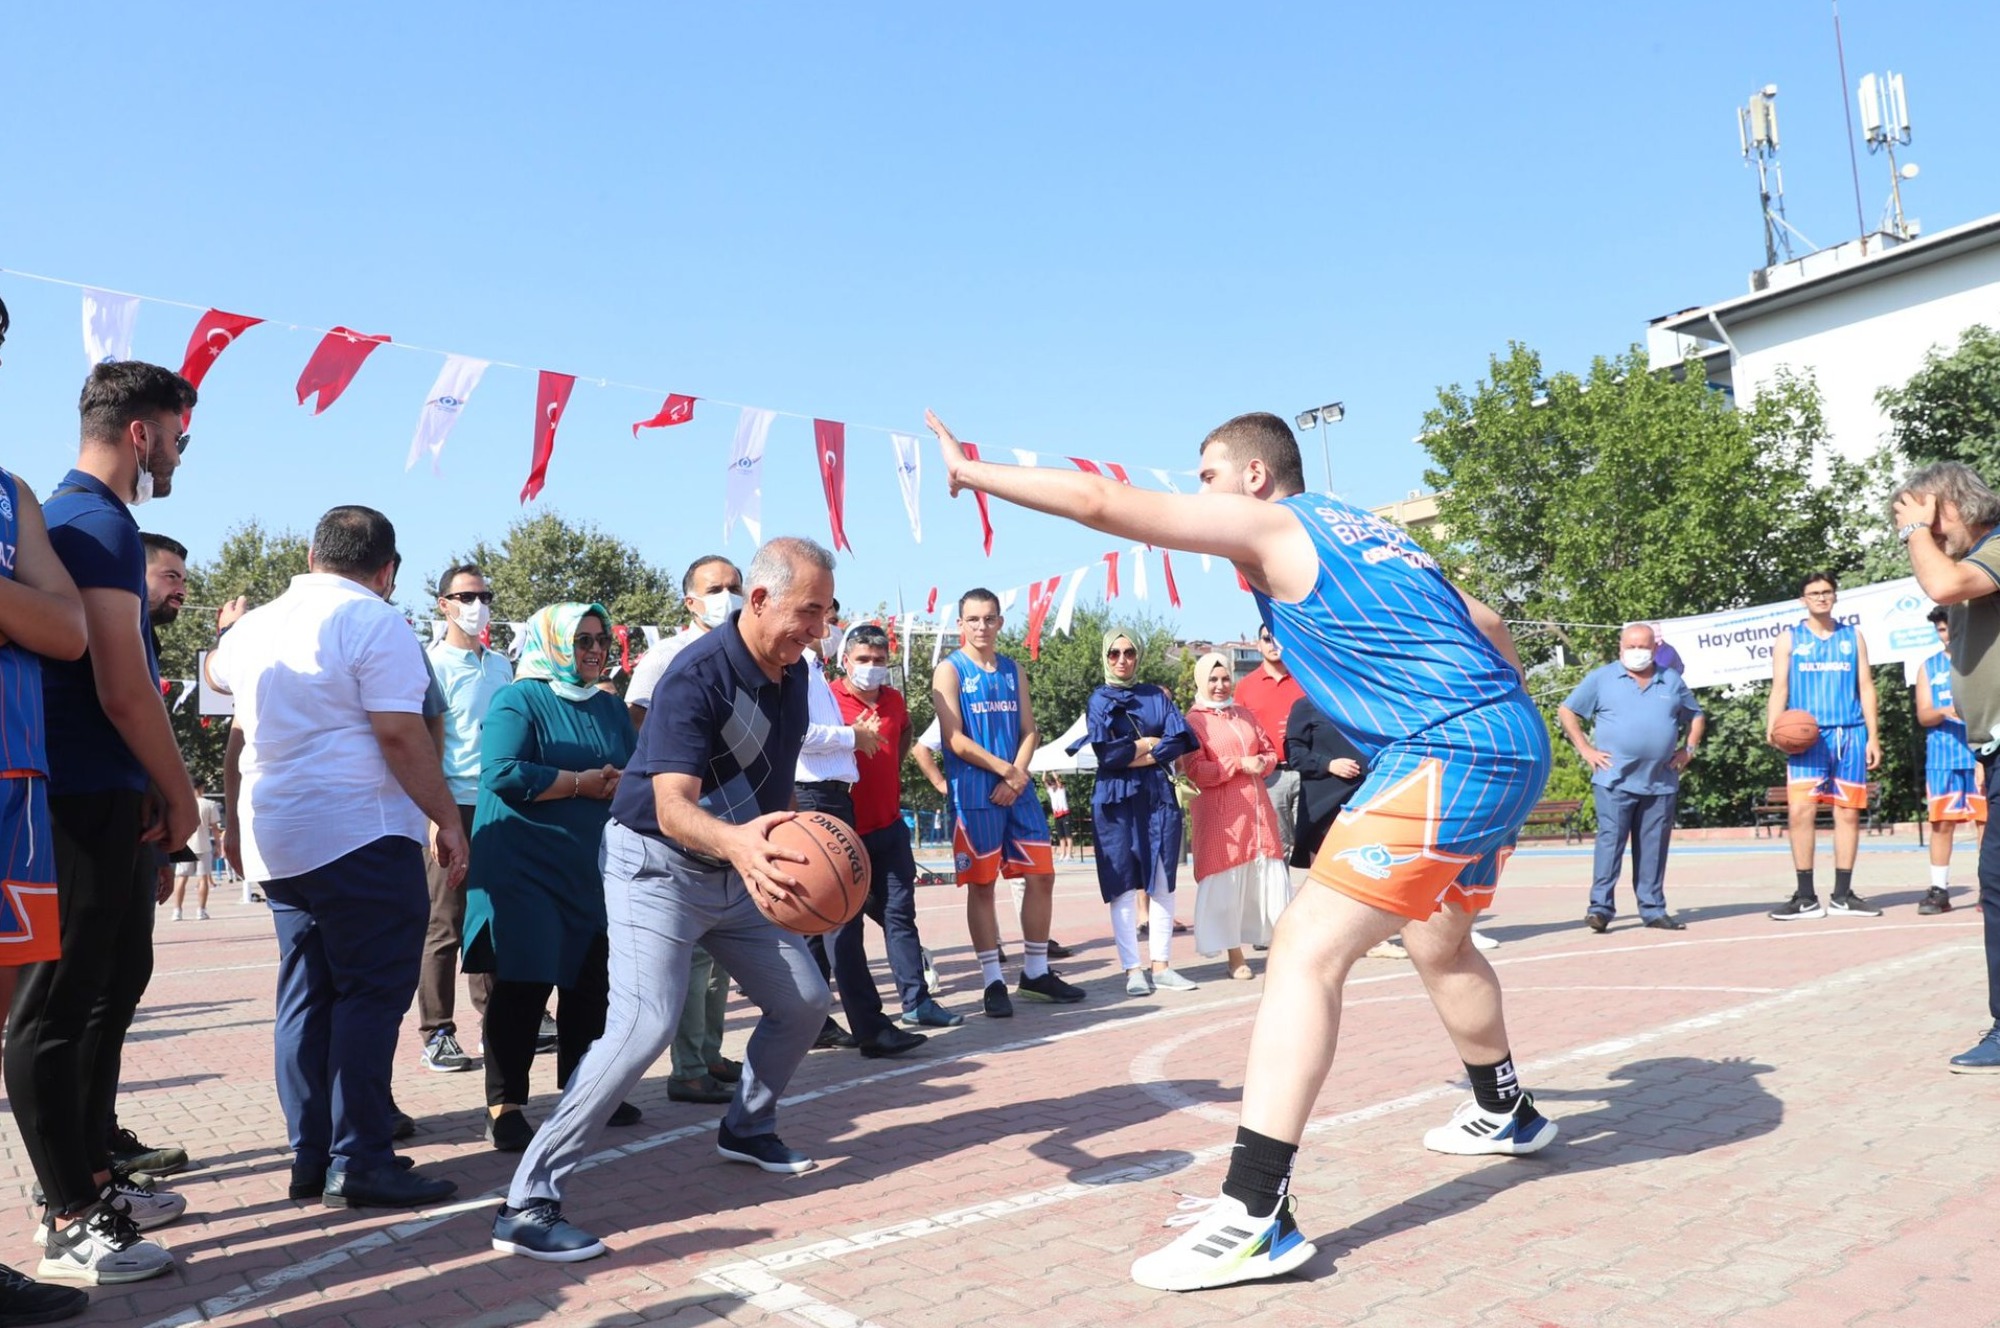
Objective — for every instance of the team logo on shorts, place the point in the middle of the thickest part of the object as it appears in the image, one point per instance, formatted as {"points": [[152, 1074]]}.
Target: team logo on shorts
{"points": [[963, 862], [1374, 861]]}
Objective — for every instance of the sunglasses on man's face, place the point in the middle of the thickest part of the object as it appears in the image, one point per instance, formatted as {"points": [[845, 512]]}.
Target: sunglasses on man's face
{"points": [[588, 641], [469, 596], [1115, 653]]}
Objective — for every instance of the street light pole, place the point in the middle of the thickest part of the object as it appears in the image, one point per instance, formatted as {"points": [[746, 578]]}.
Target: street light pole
{"points": [[1333, 412]]}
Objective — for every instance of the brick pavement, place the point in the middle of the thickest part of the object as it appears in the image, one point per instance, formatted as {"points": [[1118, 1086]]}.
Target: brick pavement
{"points": [[1757, 1129]]}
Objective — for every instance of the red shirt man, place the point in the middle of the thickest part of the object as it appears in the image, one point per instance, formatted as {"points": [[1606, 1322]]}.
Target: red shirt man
{"points": [[1270, 691], [878, 794]]}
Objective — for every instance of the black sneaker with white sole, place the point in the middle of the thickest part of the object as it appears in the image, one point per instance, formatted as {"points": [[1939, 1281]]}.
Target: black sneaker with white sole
{"points": [[540, 1232], [101, 1249], [23, 1300], [1851, 905], [761, 1150], [127, 1152], [1049, 987], [1798, 907], [1934, 902]]}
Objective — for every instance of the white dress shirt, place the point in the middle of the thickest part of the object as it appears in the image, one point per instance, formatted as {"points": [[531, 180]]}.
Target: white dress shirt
{"points": [[652, 667], [828, 755]]}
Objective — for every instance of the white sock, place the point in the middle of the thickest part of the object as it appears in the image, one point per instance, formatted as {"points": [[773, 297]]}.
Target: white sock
{"points": [[989, 966], [1034, 958], [1940, 876]]}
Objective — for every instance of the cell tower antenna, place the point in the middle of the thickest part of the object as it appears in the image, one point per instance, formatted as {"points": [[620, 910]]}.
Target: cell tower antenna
{"points": [[1885, 125], [1757, 131]]}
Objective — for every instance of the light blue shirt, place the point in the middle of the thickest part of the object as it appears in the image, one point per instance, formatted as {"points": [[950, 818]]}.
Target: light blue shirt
{"points": [[470, 679], [1639, 726]]}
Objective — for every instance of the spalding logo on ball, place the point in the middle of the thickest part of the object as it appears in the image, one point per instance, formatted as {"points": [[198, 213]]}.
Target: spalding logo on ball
{"points": [[833, 881]]}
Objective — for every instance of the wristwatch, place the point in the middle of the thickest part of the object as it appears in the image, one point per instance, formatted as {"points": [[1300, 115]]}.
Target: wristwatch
{"points": [[1903, 533]]}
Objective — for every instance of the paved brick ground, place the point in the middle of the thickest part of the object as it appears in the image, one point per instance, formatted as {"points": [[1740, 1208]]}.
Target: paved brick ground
{"points": [[1757, 1129]]}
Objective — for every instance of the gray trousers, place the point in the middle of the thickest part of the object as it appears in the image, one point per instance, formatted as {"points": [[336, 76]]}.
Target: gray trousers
{"points": [[660, 903]]}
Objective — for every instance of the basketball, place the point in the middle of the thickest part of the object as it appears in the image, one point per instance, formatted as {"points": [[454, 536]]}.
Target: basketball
{"points": [[1795, 731], [833, 881]]}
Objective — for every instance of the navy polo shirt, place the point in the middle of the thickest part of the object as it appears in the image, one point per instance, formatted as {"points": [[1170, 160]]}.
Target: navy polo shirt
{"points": [[1639, 726], [717, 715], [94, 534]]}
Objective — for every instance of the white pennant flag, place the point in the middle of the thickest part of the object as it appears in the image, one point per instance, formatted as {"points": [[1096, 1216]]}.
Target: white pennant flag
{"points": [[1164, 478], [438, 628], [937, 644], [187, 690], [448, 395], [1007, 598], [744, 499], [107, 326], [516, 638], [1028, 459], [909, 469], [652, 636], [1139, 572], [1066, 611]]}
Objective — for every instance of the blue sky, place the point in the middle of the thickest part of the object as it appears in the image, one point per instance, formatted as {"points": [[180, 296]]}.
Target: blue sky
{"points": [[1079, 229]]}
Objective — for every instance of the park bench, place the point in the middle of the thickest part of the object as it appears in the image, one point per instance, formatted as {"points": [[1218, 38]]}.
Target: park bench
{"points": [[1773, 812], [1555, 814]]}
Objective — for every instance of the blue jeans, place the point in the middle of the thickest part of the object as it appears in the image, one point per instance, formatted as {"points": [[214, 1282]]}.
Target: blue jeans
{"points": [[350, 944], [1647, 820]]}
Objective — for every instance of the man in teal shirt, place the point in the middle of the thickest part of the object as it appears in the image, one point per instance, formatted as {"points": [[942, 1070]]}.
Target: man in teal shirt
{"points": [[471, 676]]}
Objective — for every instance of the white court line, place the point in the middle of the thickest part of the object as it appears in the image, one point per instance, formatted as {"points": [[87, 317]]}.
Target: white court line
{"points": [[277, 1280]]}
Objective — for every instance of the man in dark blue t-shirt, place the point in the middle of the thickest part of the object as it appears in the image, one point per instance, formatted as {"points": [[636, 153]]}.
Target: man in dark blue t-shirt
{"points": [[117, 788], [687, 847]]}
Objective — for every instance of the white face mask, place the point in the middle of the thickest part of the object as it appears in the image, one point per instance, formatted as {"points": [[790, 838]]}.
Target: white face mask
{"points": [[1636, 660], [829, 645], [716, 608], [867, 677], [145, 493], [472, 618]]}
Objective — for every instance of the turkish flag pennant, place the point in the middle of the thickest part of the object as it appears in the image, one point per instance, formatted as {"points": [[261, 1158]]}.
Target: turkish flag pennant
{"points": [[1041, 597], [486, 636], [985, 517], [1243, 585], [624, 635], [551, 399], [1111, 580], [930, 605], [212, 336], [1117, 472], [1087, 467], [334, 364], [1167, 566], [678, 410], [830, 441]]}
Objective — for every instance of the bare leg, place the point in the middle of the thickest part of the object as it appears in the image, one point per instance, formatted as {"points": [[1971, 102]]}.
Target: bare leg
{"points": [[1803, 814], [202, 885], [1941, 843], [981, 920], [1846, 837], [1462, 985], [1038, 906]]}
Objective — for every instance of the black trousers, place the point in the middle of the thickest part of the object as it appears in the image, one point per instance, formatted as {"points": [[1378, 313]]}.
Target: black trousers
{"points": [[513, 1022], [848, 966], [66, 1037]]}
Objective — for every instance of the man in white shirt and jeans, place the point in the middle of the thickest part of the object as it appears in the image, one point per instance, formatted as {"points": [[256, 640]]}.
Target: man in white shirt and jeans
{"points": [[330, 776]]}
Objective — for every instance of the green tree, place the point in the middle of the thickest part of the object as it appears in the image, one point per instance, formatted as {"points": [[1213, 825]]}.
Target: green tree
{"points": [[1950, 409], [545, 560]]}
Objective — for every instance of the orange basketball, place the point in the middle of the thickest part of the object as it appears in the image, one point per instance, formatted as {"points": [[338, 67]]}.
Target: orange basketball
{"points": [[833, 881], [1795, 732]]}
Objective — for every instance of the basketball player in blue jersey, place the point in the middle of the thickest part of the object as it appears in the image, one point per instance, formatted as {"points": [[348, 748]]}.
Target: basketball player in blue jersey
{"points": [[1426, 682], [1821, 667], [1954, 783], [987, 727]]}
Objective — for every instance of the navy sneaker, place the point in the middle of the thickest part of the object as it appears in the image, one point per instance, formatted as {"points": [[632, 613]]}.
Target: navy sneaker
{"points": [[539, 1232], [1982, 1059], [761, 1150], [998, 1006], [932, 1015]]}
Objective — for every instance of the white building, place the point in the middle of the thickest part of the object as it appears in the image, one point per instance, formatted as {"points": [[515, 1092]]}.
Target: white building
{"points": [[1857, 318]]}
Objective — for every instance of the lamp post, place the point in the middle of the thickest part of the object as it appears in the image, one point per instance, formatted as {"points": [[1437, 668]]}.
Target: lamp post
{"points": [[1333, 412]]}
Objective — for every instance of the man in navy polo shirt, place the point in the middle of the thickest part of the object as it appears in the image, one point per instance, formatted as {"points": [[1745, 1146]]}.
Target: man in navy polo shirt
{"points": [[687, 845], [1636, 756], [115, 779]]}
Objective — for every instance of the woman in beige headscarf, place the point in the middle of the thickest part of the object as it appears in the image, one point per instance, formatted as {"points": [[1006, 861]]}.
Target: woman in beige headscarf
{"points": [[1241, 883]]}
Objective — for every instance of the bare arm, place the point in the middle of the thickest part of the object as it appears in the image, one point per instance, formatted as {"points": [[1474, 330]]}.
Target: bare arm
{"points": [[1572, 725], [747, 848], [1928, 715], [951, 726], [1494, 629], [133, 704], [927, 762], [1865, 678], [1944, 578], [40, 609], [232, 783], [1781, 683]]}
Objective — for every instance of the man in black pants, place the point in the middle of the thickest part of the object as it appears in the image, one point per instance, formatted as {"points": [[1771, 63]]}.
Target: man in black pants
{"points": [[115, 779]]}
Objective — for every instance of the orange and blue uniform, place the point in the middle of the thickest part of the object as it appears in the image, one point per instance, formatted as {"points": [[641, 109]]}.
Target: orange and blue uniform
{"points": [[29, 920], [989, 840], [1824, 681], [1951, 791]]}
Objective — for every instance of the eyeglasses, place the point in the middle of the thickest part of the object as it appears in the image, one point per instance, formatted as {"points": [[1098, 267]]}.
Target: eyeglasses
{"points": [[1819, 594], [991, 621], [590, 641], [1127, 653], [469, 596]]}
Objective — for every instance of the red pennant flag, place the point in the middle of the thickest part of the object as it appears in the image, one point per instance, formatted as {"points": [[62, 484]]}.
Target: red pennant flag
{"points": [[1117, 472], [212, 336], [486, 636], [1243, 585], [830, 441], [166, 686], [1087, 467], [551, 399], [930, 605], [1040, 597], [678, 410], [985, 517], [204, 721], [624, 635], [1111, 580], [1167, 566], [334, 364]]}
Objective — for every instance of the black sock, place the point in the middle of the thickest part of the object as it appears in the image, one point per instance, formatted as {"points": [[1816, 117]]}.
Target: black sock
{"points": [[1843, 882], [1806, 885], [1260, 1171], [1494, 1085]]}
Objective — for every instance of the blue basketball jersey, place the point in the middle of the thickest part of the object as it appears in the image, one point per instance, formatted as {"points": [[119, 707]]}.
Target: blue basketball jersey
{"points": [[1945, 747], [989, 706], [22, 746], [1825, 675], [1383, 645]]}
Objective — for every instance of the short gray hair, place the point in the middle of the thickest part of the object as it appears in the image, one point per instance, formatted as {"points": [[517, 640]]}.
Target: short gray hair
{"points": [[1956, 483], [779, 561]]}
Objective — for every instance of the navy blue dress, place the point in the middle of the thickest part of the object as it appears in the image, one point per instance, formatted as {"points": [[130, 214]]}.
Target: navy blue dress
{"points": [[1137, 822]]}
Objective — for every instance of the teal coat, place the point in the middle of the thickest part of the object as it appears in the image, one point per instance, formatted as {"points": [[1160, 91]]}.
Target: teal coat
{"points": [[534, 897]]}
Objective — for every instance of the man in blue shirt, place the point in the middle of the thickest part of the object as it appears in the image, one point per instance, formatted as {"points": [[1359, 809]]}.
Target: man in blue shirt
{"points": [[687, 848], [1636, 756]]}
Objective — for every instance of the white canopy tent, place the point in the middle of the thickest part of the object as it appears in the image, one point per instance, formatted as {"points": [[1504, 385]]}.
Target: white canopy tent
{"points": [[1051, 758]]}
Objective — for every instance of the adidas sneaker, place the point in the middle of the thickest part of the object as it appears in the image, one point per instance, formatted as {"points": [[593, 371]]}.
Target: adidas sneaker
{"points": [[1474, 1131], [1224, 1244]]}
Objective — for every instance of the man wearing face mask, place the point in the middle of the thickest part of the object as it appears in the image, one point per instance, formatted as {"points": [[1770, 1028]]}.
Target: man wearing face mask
{"points": [[471, 675], [1641, 711], [712, 589], [116, 784]]}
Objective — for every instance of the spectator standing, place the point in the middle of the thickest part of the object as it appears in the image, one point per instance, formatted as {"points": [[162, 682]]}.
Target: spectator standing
{"points": [[331, 774], [198, 869], [1954, 784], [470, 675], [1647, 728], [551, 751], [1330, 769], [1241, 882], [117, 786], [1269, 692], [1059, 815]]}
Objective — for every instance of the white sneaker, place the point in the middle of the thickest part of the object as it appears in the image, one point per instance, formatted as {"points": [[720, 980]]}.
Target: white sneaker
{"points": [[177, 915], [1137, 983], [1389, 949], [1475, 1132], [147, 1208], [201, 915], [1481, 941], [930, 973], [103, 1248], [1224, 1244], [1166, 979]]}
